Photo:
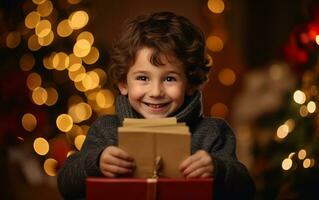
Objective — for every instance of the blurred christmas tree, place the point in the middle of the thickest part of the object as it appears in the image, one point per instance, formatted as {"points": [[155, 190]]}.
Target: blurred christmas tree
{"points": [[52, 83], [287, 167]]}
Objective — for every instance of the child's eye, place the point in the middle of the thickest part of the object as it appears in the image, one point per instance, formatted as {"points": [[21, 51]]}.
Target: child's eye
{"points": [[142, 78], [170, 78]]}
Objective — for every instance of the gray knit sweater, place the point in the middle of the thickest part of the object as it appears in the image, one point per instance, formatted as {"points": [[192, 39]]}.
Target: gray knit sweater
{"points": [[231, 178]]}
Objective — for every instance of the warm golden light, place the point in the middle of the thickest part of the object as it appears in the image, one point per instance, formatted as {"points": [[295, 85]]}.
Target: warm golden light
{"points": [[291, 124], [286, 164], [214, 43], [43, 28], [299, 97], [282, 131], [41, 146], [82, 48], [52, 96], [33, 43], [75, 63], [85, 129], [79, 140], [47, 61], [29, 122], [219, 110], [303, 111], [90, 80], [13, 39], [64, 29], [216, 6], [78, 75], [317, 39], [80, 112], [92, 57], [75, 131], [50, 166], [45, 8], [46, 40], [227, 76], [39, 96], [86, 35], [102, 75], [61, 61], [306, 163], [64, 122], [105, 98], [302, 154], [27, 62], [78, 19], [32, 19], [311, 106], [33, 81], [79, 86]]}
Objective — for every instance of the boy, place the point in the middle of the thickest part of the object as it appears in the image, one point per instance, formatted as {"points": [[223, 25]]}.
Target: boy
{"points": [[158, 64]]}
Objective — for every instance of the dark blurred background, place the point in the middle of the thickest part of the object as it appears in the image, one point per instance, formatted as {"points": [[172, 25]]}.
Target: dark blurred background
{"points": [[264, 82]]}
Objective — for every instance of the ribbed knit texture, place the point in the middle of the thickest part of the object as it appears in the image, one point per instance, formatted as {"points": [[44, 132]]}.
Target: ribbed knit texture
{"points": [[231, 178]]}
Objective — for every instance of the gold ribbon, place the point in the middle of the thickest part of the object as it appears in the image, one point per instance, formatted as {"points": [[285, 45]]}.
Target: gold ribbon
{"points": [[151, 188]]}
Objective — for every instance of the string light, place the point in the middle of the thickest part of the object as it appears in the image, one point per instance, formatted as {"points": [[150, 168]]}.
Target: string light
{"points": [[227, 76], [216, 6], [214, 43], [64, 122], [286, 164], [50, 166], [29, 122], [41, 146], [43, 29], [299, 97]]}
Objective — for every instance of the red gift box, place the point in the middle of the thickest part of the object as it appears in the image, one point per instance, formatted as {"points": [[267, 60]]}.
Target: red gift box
{"points": [[149, 189]]}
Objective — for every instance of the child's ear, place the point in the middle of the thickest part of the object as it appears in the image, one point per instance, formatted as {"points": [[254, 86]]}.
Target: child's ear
{"points": [[123, 88]]}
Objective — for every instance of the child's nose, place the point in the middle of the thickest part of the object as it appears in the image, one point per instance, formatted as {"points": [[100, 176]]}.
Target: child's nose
{"points": [[156, 90]]}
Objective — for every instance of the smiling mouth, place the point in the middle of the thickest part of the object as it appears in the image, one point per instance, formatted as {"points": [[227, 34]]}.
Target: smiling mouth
{"points": [[156, 106]]}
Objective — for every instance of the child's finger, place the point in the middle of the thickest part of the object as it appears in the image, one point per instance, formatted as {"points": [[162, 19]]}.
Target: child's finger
{"points": [[193, 166], [199, 172], [119, 162], [116, 169], [188, 162], [108, 174], [117, 152]]}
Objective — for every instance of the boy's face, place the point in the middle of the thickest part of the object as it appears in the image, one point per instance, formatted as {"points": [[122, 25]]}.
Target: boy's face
{"points": [[154, 91]]}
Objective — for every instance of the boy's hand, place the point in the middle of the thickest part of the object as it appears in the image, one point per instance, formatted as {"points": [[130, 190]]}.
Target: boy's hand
{"points": [[198, 165], [114, 161]]}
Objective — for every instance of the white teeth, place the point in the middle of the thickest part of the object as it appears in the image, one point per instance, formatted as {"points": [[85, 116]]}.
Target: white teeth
{"points": [[155, 105]]}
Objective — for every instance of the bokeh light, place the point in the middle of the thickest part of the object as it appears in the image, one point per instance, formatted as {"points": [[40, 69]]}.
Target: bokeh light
{"points": [[299, 97], [27, 62], [79, 140], [214, 43], [286, 164], [219, 110], [78, 19], [41, 146], [216, 6], [39, 95], [50, 166], [227, 76], [29, 122], [13, 39], [64, 122]]}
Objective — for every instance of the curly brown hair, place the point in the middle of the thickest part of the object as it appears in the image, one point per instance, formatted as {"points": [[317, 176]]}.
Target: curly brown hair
{"points": [[166, 34]]}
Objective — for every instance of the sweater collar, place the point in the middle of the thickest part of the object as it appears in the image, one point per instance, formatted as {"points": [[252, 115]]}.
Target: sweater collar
{"points": [[189, 112]]}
